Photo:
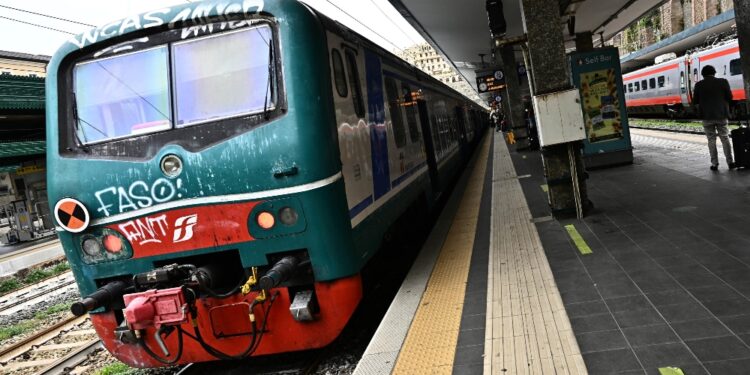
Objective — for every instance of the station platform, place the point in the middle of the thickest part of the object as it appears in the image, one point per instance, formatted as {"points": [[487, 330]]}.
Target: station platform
{"points": [[655, 281]]}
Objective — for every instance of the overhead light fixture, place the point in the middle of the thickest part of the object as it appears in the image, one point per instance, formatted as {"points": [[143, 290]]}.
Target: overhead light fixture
{"points": [[496, 18]]}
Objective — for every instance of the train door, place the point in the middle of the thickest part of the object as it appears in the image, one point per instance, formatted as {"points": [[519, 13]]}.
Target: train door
{"points": [[351, 125], [462, 132], [692, 72], [424, 120]]}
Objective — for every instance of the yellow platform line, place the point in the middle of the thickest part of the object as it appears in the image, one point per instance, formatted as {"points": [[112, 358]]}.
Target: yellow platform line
{"points": [[577, 239], [430, 344]]}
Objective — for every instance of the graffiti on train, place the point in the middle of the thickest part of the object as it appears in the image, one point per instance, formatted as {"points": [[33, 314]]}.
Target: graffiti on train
{"points": [[119, 199], [199, 14]]}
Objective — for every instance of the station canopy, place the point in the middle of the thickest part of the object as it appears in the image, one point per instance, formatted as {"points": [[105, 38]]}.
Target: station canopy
{"points": [[459, 30]]}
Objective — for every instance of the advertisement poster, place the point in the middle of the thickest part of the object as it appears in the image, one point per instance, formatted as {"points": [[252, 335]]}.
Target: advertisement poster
{"points": [[598, 77], [601, 105]]}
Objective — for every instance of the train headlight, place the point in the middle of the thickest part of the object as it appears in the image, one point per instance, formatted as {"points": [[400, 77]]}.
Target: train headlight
{"points": [[112, 243], [91, 246], [266, 220], [288, 216], [171, 165]]}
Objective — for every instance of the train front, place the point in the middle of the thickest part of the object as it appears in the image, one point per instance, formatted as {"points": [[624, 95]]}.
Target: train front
{"points": [[194, 172]]}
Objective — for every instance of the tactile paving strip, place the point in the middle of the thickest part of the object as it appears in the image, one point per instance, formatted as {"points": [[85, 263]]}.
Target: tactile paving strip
{"points": [[528, 330], [430, 345]]}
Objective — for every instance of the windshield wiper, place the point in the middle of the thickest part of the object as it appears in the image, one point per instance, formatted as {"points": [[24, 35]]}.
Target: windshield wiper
{"points": [[76, 129], [269, 90]]}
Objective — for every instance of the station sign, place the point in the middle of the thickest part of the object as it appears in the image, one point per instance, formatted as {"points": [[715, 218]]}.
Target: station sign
{"points": [[490, 80]]}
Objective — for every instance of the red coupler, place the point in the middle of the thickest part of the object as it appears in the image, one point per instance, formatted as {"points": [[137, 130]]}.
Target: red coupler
{"points": [[155, 307]]}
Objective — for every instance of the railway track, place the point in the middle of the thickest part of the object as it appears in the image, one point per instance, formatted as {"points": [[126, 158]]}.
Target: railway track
{"points": [[35, 291], [55, 350]]}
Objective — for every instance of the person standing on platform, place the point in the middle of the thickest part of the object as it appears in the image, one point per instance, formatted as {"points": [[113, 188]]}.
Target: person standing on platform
{"points": [[713, 96]]}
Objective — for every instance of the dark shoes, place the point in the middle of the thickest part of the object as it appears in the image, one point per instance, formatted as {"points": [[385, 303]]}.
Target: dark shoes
{"points": [[714, 167]]}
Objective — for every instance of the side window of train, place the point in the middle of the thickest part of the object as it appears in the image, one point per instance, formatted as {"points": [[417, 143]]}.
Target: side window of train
{"points": [[637, 86], [630, 87], [661, 81], [652, 83], [682, 81], [735, 68], [644, 85], [351, 65], [695, 74], [339, 76], [394, 107], [410, 106]]}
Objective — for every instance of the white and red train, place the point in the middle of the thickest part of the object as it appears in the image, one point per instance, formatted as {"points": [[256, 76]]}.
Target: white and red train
{"points": [[666, 88]]}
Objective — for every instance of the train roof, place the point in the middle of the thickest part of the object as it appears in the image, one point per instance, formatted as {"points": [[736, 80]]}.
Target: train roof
{"points": [[201, 13]]}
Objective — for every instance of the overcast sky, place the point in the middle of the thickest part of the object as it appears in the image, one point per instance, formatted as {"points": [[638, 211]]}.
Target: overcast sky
{"points": [[394, 33]]}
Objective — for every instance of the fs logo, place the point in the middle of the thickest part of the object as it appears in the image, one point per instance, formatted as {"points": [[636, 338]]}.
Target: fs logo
{"points": [[183, 228]]}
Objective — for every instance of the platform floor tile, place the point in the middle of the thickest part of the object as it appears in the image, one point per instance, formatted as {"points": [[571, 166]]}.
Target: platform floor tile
{"points": [[529, 331]]}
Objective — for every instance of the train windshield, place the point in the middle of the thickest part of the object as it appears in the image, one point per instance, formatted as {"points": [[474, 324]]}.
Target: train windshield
{"points": [[175, 85]]}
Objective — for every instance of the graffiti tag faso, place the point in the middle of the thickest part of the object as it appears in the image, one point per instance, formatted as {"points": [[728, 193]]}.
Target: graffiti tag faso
{"points": [[156, 229], [199, 14], [138, 195]]}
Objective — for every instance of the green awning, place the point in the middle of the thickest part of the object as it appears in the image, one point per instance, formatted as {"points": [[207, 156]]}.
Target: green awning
{"points": [[10, 149], [21, 92], [8, 168]]}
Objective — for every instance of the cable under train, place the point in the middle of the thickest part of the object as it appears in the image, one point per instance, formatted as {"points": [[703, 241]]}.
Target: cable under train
{"points": [[222, 172], [666, 88]]}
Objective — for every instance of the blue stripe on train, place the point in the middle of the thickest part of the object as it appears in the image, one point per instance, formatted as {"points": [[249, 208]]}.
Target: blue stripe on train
{"points": [[360, 207], [376, 118], [408, 173]]}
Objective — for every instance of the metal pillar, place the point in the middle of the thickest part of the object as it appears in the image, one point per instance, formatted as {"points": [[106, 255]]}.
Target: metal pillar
{"points": [[563, 164], [742, 16], [514, 101]]}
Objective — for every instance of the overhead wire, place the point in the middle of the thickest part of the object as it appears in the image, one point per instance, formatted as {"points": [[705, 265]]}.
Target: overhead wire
{"points": [[367, 27], [45, 15], [37, 25], [374, 2]]}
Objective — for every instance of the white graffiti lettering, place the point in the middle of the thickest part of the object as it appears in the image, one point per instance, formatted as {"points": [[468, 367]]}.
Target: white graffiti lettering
{"points": [[138, 195], [145, 230], [187, 223], [154, 229], [197, 15]]}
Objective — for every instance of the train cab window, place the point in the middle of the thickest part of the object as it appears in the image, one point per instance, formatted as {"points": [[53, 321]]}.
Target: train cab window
{"points": [[652, 83], [351, 64], [660, 81], [394, 107], [339, 76], [637, 86], [115, 109], [410, 106], [223, 76], [735, 67], [644, 85]]}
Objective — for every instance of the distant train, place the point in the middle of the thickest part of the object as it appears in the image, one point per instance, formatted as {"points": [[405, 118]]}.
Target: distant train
{"points": [[222, 171], [666, 88]]}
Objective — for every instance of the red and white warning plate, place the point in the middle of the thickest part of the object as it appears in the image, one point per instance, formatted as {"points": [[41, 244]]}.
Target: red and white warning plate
{"points": [[72, 215]]}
